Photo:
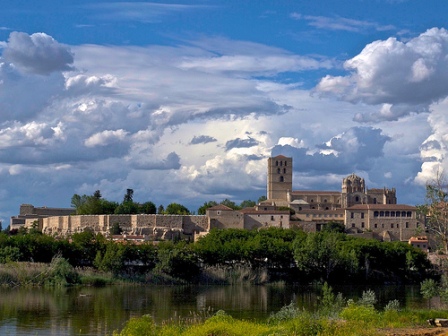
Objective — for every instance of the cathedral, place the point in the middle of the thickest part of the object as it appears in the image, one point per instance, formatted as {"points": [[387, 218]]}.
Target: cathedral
{"points": [[367, 212]]}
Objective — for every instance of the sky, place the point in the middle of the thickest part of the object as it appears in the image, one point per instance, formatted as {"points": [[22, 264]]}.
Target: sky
{"points": [[184, 101]]}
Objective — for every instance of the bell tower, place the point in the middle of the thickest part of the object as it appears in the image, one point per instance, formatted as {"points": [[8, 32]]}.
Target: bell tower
{"points": [[279, 177]]}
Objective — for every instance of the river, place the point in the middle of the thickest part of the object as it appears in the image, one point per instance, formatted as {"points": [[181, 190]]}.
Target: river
{"points": [[100, 311]]}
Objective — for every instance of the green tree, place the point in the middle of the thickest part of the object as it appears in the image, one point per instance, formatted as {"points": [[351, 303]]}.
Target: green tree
{"points": [[429, 289], [202, 209], [147, 208], [436, 210], [261, 199], [160, 209], [176, 209], [319, 253], [247, 204], [230, 204]]}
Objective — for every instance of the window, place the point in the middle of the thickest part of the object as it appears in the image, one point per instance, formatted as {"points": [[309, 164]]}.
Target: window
{"points": [[282, 179], [381, 213], [375, 214], [392, 213], [284, 170], [312, 200], [353, 225], [382, 225], [407, 225], [362, 224], [376, 226], [286, 163], [272, 218], [398, 225], [362, 214], [403, 214], [281, 163], [278, 170], [374, 200], [397, 214], [387, 214], [352, 215], [408, 214], [218, 212], [392, 225], [325, 200], [276, 163], [357, 199]]}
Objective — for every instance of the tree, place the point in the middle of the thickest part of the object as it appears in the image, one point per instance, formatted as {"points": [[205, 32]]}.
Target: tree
{"points": [[160, 209], [247, 204], [202, 209], [261, 199], [116, 229], [147, 208], [230, 204], [436, 210], [176, 209], [128, 197]]}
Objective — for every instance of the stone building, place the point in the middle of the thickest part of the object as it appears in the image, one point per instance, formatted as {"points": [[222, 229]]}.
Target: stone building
{"points": [[369, 212]]}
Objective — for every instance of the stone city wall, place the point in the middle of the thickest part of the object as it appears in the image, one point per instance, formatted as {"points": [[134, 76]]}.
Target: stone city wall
{"points": [[151, 225]]}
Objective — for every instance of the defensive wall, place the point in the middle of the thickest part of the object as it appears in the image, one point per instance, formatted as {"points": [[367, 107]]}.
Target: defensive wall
{"points": [[152, 226]]}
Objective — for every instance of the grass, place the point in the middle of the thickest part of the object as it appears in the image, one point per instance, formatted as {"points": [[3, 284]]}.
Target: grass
{"points": [[354, 319]]}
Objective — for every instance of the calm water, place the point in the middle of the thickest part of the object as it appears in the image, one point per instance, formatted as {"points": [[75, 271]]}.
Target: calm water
{"points": [[100, 311]]}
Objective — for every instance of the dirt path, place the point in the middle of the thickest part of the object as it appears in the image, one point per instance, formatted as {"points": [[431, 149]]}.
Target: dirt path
{"points": [[416, 332]]}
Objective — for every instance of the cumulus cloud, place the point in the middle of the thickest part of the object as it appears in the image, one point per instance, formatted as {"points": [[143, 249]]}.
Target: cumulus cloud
{"points": [[202, 139], [38, 53], [400, 77], [105, 138], [355, 149]]}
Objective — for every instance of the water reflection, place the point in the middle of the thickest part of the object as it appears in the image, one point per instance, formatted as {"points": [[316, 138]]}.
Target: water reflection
{"points": [[100, 311]]}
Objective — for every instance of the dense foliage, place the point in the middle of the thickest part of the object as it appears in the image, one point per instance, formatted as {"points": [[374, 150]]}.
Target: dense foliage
{"points": [[283, 253]]}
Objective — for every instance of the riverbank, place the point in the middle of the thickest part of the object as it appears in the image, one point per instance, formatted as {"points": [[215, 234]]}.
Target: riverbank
{"points": [[353, 320]]}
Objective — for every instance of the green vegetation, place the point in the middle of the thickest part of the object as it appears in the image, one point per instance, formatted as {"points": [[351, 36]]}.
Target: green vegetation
{"points": [[230, 256], [335, 317]]}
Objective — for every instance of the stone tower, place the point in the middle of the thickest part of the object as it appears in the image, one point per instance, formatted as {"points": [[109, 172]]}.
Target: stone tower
{"points": [[353, 191], [279, 177]]}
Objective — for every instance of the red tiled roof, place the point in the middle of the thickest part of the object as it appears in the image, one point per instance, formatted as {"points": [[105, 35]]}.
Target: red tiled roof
{"points": [[220, 207]]}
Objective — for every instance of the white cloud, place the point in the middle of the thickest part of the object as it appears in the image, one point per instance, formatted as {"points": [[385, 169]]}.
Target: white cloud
{"points": [[105, 138], [402, 77], [37, 53]]}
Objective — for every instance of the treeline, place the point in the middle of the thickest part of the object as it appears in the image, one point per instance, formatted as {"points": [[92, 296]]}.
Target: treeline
{"points": [[97, 205], [287, 254]]}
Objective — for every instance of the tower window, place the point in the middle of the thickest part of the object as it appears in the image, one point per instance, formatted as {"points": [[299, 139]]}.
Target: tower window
{"points": [[282, 179], [278, 170], [276, 163], [284, 170], [281, 163], [286, 163]]}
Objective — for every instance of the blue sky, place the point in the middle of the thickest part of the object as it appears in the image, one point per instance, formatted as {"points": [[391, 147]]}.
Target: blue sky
{"points": [[184, 101]]}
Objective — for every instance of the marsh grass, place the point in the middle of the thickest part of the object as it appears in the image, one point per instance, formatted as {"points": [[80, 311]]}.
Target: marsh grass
{"points": [[236, 274]]}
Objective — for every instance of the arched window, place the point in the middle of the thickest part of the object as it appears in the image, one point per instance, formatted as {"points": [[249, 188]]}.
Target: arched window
{"points": [[375, 214], [357, 199], [281, 179], [387, 214], [397, 214], [276, 163], [381, 213], [281, 163], [408, 214], [278, 170], [284, 170], [403, 214]]}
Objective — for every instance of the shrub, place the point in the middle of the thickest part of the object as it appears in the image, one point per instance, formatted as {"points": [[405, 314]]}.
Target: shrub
{"points": [[143, 326]]}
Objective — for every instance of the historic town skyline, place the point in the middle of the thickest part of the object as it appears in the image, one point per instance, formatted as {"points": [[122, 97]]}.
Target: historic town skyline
{"points": [[185, 101]]}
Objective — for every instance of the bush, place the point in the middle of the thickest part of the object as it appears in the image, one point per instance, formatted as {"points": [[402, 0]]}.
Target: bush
{"points": [[62, 273], [143, 326]]}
